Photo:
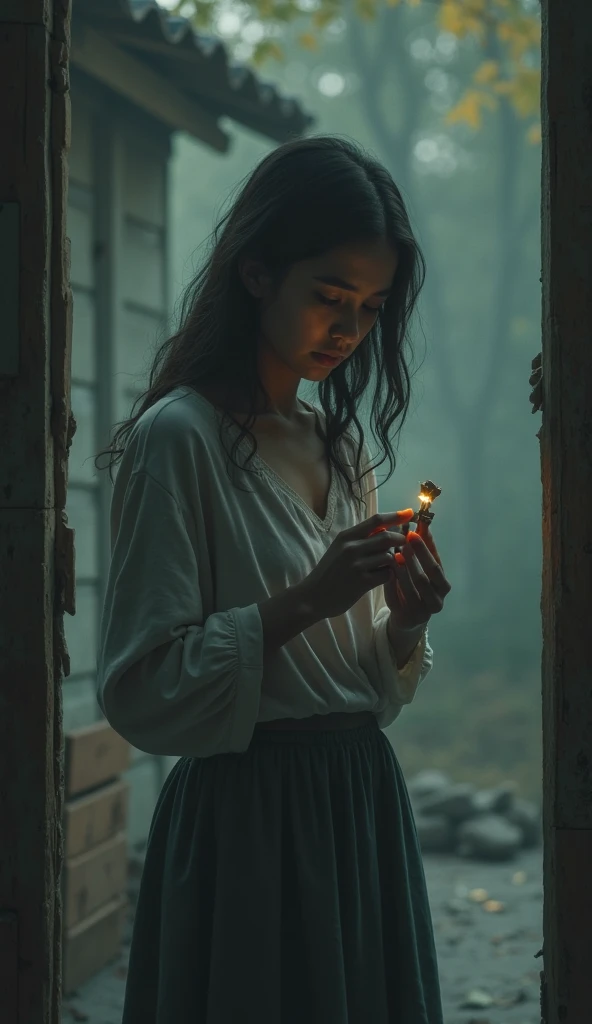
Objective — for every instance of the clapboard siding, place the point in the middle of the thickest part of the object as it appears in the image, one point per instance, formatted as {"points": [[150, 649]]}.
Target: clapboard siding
{"points": [[80, 703], [83, 516], [79, 700], [81, 466], [144, 182], [80, 159], [143, 265], [80, 233], [84, 366], [141, 331], [81, 629], [117, 226]]}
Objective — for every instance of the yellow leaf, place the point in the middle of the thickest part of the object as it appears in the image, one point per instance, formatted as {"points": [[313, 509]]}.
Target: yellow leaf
{"points": [[325, 16], [522, 91], [308, 41], [462, 17], [487, 72], [267, 49], [467, 110], [366, 9]]}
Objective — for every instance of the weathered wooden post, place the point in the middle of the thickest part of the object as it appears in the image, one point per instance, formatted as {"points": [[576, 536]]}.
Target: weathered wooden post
{"points": [[566, 453], [36, 553]]}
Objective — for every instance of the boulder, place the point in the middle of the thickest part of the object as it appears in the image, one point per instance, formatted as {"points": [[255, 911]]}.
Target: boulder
{"points": [[498, 800], [488, 837], [435, 833], [455, 802], [527, 817], [426, 783]]}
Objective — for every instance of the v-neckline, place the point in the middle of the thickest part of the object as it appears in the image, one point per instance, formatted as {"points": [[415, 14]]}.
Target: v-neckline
{"points": [[324, 522], [274, 477]]}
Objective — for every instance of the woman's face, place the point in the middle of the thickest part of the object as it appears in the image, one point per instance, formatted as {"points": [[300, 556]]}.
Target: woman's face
{"points": [[324, 305]]}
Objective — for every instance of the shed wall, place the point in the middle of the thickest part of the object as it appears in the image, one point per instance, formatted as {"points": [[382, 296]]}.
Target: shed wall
{"points": [[117, 224]]}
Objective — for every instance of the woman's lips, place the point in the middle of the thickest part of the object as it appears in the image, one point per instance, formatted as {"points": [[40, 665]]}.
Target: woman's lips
{"points": [[326, 360]]}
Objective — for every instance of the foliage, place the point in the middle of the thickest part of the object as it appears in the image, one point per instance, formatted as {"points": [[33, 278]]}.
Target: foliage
{"points": [[507, 33]]}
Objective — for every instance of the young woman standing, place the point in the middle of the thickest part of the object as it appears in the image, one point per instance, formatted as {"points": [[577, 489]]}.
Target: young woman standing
{"points": [[253, 628]]}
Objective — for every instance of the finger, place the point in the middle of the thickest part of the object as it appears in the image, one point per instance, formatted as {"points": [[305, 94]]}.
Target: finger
{"points": [[388, 519], [432, 566], [537, 361], [429, 597], [424, 534], [411, 598], [535, 377]]}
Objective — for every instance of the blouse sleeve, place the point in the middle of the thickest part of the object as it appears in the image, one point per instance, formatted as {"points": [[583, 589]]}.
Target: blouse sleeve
{"points": [[398, 686], [170, 680]]}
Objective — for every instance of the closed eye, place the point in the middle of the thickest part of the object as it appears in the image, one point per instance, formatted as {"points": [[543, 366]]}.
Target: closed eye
{"points": [[326, 300], [334, 302]]}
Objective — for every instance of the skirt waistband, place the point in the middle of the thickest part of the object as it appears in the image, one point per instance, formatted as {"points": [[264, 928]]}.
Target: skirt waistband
{"points": [[330, 722]]}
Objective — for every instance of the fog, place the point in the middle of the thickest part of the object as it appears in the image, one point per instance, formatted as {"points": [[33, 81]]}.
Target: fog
{"points": [[473, 196]]}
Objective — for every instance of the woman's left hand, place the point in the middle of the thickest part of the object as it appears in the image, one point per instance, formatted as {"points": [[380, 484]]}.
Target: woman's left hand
{"points": [[418, 587]]}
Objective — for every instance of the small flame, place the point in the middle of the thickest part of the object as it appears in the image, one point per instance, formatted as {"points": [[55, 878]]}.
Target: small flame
{"points": [[426, 499]]}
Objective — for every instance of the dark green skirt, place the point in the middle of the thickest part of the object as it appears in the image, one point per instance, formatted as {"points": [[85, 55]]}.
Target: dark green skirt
{"points": [[285, 885]]}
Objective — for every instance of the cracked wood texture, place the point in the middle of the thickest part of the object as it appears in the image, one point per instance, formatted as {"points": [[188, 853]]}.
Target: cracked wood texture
{"points": [[566, 458], [36, 550]]}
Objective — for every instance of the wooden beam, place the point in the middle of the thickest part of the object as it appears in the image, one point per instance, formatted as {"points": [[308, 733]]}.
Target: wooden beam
{"points": [[27, 12], [36, 558], [97, 56], [566, 457]]}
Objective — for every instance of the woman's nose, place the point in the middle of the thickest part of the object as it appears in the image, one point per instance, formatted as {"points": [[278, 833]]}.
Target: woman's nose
{"points": [[347, 328]]}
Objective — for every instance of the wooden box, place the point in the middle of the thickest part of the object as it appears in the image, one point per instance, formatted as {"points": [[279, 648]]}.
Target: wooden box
{"points": [[96, 817], [93, 878], [94, 754], [88, 946]]}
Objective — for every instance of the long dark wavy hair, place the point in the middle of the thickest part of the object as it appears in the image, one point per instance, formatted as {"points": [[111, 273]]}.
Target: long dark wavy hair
{"points": [[305, 198]]}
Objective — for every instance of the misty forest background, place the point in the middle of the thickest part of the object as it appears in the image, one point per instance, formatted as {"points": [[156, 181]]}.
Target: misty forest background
{"points": [[420, 93]]}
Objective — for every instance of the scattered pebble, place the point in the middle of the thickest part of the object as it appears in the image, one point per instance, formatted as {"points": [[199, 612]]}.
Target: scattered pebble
{"points": [[477, 999], [493, 906]]}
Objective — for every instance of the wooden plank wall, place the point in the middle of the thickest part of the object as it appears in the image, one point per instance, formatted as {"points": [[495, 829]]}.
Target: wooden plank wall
{"points": [[117, 221], [83, 508]]}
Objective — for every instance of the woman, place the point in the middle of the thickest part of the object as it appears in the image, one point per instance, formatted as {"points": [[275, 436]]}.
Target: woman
{"points": [[260, 634]]}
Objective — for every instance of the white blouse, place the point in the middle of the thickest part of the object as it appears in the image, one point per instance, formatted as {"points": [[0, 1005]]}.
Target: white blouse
{"points": [[181, 667]]}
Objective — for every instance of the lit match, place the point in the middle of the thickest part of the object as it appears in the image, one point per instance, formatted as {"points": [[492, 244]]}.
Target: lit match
{"points": [[429, 491]]}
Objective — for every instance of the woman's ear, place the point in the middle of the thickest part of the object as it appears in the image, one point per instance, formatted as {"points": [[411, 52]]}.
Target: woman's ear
{"points": [[255, 278]]}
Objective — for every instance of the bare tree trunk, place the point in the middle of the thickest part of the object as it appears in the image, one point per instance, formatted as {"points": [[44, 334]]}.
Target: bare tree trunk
{"points": [[36, 549]]}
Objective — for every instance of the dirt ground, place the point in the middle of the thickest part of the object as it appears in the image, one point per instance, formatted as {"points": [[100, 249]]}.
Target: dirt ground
{"points": [[487, 952]]}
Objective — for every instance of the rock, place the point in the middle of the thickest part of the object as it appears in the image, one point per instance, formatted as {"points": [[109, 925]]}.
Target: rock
{"points": [[526, 816], [455, 802], [498, 800], [435, 832], [425, 783], [477, 1000], [489, 837]]}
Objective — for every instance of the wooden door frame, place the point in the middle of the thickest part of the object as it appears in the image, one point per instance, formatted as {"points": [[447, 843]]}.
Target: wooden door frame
{"points": [[566, 464], [36, 584], [36, 546]]}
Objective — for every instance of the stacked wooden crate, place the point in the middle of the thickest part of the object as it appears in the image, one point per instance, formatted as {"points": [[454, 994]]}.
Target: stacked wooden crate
{"points": [[95, 850]]}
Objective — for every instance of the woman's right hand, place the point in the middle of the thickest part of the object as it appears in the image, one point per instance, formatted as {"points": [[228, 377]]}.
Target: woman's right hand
{"points": [[354, 564]]}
